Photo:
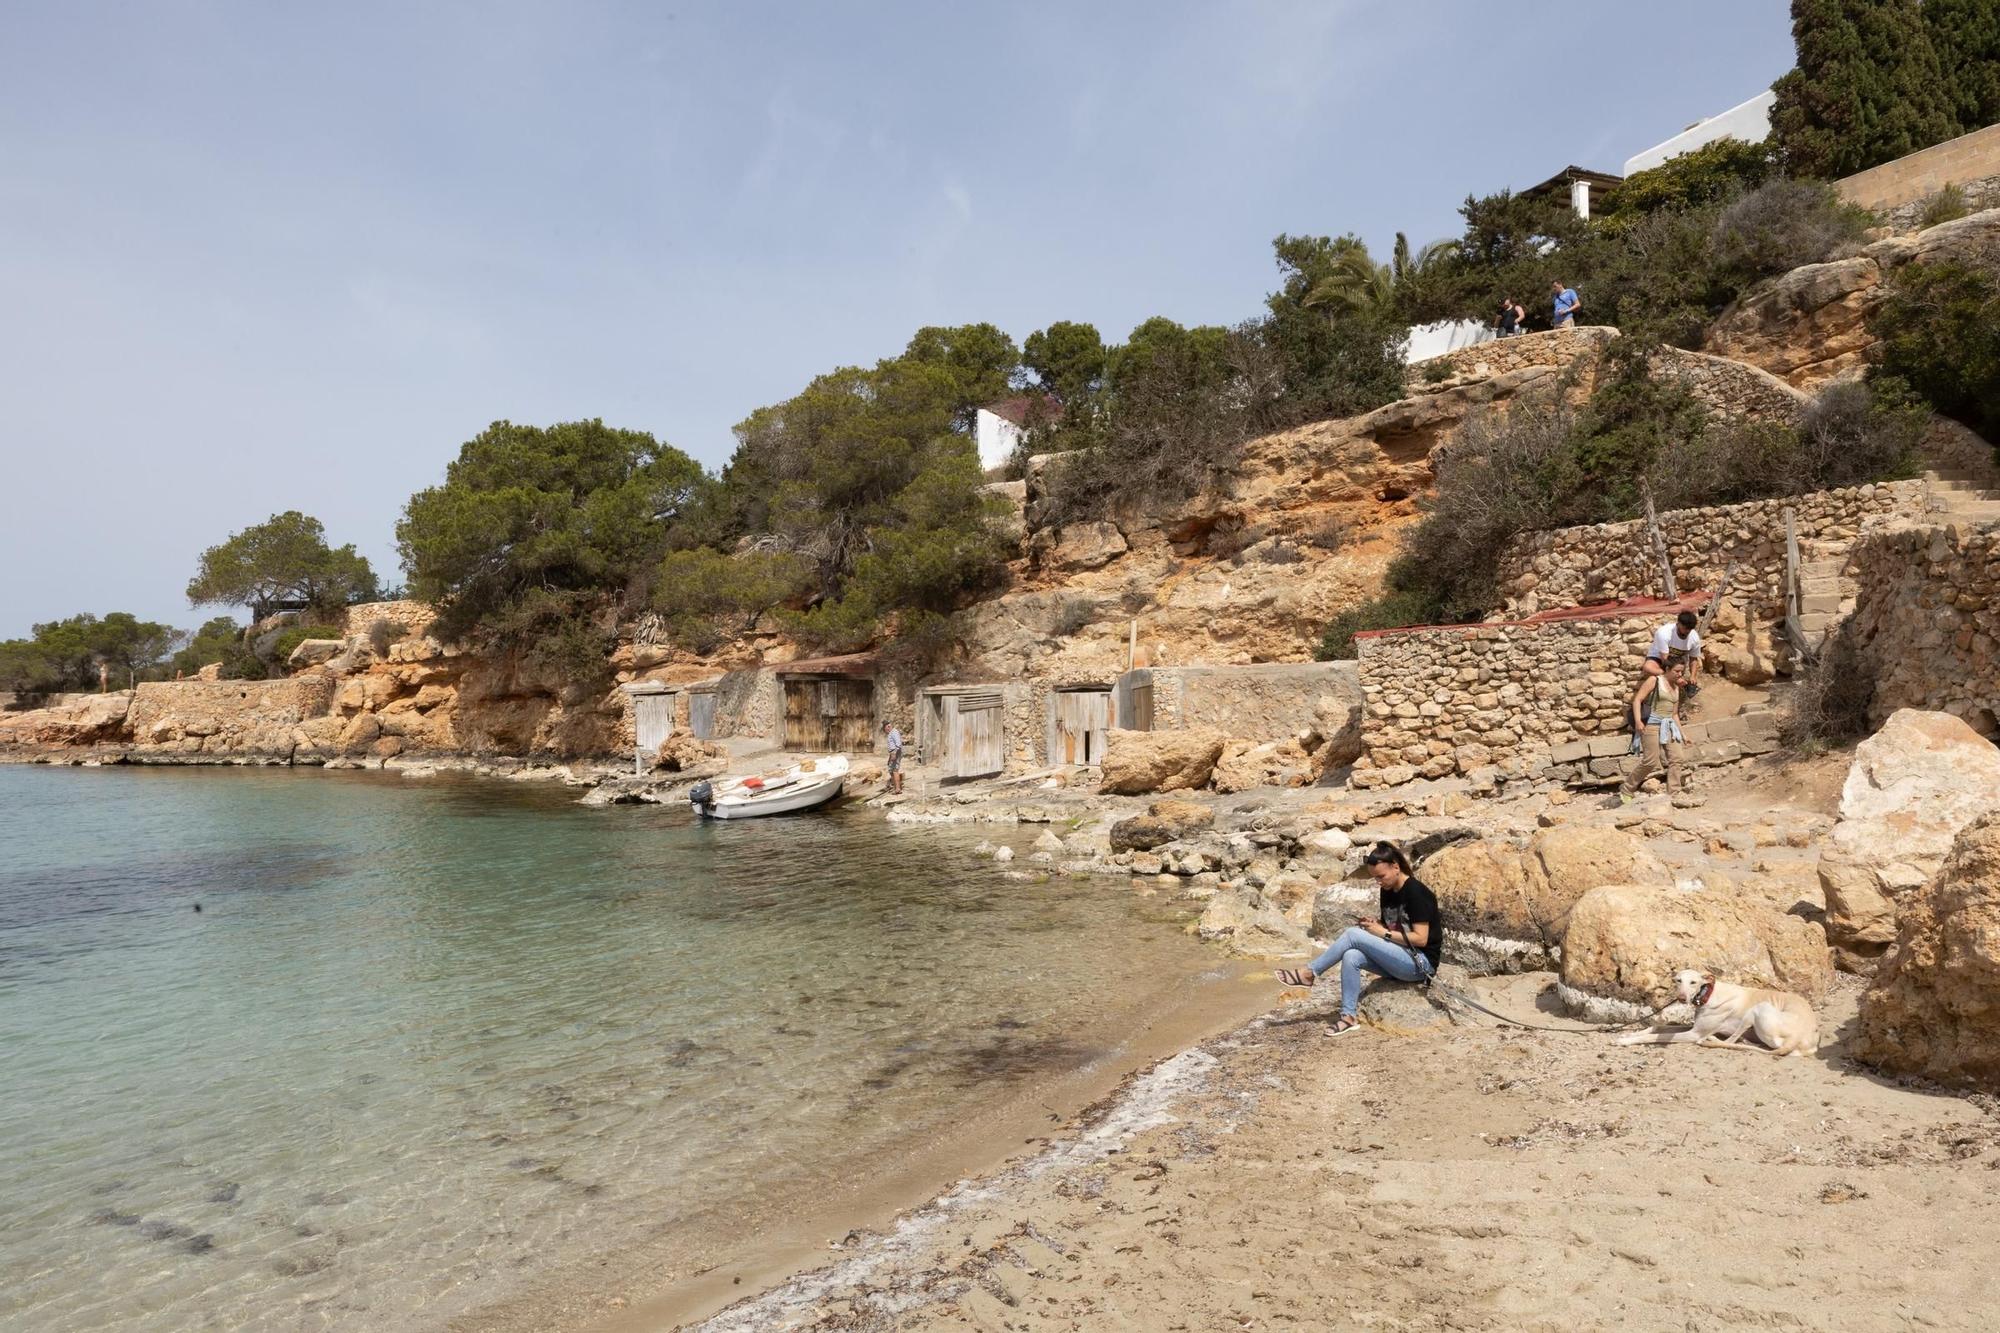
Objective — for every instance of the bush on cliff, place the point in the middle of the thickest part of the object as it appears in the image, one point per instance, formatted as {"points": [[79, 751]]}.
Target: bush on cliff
{"points": [[1868, 88], [66, 654], [536, 532], [219, 640], [1940, 334]]}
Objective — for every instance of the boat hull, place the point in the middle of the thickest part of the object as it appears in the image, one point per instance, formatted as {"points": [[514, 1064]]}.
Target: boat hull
{"points": [[789, 801]]}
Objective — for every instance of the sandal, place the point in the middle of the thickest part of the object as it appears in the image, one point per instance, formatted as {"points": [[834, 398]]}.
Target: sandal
{"points": [[1344, 1025], [1296, 976]]}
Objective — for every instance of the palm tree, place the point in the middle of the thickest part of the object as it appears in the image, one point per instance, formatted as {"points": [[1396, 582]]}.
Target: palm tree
{"points": [[1357, 283]]}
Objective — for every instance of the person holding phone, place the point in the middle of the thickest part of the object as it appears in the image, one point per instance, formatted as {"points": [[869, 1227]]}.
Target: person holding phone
{"points": [[1405, 942]]}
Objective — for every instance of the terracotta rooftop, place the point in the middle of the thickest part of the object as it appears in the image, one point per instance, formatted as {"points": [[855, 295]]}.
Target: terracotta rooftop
{"points": [[1021, 408], [1628, 609]]}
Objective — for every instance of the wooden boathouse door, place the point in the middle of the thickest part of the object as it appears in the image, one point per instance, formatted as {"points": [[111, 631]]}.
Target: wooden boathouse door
{"points": [[1079, 723], [652, 720], [829, 715], [975, 731], [701, 715]]}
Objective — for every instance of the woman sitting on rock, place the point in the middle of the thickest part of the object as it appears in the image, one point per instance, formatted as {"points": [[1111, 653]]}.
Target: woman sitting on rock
{"points": [[1405, 942]]}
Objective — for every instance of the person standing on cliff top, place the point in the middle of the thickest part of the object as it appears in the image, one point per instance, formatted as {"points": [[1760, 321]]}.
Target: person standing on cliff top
{"points": [[1405, 942], [894, 745], [1567, 303]]}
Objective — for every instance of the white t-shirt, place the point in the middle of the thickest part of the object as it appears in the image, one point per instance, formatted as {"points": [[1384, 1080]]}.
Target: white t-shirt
{"points": [[1669, 643]]}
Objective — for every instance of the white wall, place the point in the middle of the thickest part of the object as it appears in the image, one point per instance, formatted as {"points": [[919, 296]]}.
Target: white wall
{"points": [[1749, 121], [996, 437], [1429, 340]]}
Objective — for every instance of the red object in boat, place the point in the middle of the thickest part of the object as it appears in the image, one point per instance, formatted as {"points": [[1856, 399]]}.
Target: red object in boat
{"points": [[753, 783]]}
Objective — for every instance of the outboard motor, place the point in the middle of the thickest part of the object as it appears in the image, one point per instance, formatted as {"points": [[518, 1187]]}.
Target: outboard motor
{"points": [[702, 797]]}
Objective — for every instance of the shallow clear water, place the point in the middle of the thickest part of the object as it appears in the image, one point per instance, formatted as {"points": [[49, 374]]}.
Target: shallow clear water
{"points": [[426, 1043]]}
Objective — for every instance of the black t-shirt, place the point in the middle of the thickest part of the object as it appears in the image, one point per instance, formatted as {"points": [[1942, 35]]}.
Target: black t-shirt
{"points": [[1414, 905]]}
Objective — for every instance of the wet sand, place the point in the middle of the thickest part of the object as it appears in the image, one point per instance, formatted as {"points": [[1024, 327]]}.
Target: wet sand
{"points": [[1470, 1178]]}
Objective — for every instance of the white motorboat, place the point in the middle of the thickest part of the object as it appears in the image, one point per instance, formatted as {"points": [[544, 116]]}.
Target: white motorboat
{"points": [[804, 786]]}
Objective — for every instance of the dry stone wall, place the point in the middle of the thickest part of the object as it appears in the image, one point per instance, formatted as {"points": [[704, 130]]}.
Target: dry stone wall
{"points": [[411, 618], [255, 718], [1505, 701], [1554, 347], [1927, 619], [1562, 567], [1731, 388]]}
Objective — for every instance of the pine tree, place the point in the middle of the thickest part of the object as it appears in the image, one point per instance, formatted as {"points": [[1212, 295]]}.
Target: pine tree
{"points": [[1868, 88], [1966, 36]]}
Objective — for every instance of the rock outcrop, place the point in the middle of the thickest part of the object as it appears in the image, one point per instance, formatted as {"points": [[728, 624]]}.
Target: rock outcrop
{"points": [[1933, 1009], [1911, 788], [1810, 326], [1136, 762], [79, 720], [1164, 822], [1626, 941], [684, 753]]}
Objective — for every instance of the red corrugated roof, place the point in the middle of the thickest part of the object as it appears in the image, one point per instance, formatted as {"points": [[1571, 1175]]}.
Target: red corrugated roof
{"points": [[1021, 408], [1562, 615]]}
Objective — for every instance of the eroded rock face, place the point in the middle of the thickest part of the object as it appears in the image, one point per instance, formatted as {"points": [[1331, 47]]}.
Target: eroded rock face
{"points": [[1911, 789], [90, 720], [1251, 925], [1934, 1007], [682, 752], [1136, 762], [1245, 765], [1626, 941]]}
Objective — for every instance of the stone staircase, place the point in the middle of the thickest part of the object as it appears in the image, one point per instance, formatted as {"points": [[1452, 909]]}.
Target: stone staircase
{"points": [[1958, 495]]}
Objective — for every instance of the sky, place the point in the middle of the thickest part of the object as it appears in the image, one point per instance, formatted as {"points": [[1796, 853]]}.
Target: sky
{"points": [[257, 257]]}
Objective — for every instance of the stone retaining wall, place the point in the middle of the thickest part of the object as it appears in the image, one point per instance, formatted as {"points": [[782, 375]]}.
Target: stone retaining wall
{"points": [[1504, 701], [411, 617], [1561, 567], [251, 717], [1552, 347], [1927, 619], [1731, 388]]}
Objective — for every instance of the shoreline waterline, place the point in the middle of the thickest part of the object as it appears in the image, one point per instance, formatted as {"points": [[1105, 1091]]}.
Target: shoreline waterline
{"points": [[890, 1012]]}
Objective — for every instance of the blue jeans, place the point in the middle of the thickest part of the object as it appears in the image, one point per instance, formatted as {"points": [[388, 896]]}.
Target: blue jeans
{"points": [[1357, 949]]}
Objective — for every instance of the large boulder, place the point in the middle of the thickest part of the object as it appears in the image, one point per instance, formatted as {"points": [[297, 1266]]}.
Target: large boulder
{"points": [[1164, 822], [1626, 941], [1251, 925], [312, 652], [684, 752], [86, 720], [1247, 765], [1934, 1007], [1508, 909], [1911, 788], [1136, 762]]}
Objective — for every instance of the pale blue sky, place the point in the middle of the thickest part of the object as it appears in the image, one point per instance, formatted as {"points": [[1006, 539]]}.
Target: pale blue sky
{"points": [[269, 256]]}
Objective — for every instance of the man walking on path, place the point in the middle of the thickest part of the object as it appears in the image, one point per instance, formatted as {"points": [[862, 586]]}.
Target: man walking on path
{"points": [[895, 748], [1567, 304]]}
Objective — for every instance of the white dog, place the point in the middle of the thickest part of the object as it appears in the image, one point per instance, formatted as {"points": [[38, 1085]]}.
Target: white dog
{"points": [[1783, 1021]]}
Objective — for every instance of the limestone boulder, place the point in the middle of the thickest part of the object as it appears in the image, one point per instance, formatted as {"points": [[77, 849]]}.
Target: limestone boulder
{"points": [[1164, 822], [88, 720], [684, 752], [1250, 925], [1933, 1009], [1911, 788], [1498, 915], [1136, 762], [1573, 859], [1626, 941], [1247, 765], [312, 652]]}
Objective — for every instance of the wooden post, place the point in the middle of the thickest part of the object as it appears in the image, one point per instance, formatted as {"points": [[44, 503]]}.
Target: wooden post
{"points": [[1715, 599], [1132, 646], [1795, 631], [1659, 543]]}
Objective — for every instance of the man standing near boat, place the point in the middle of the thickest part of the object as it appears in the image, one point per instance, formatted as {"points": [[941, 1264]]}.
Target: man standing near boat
{"points": [[895, 748]]}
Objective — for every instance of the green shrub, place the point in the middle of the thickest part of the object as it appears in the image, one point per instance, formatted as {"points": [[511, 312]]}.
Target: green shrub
{"points": [[1438, 371], [1940, 334], [1830, 701], [1947, 205], [706, 597], [1710, 174], [1392, 610], [1783, 225]]}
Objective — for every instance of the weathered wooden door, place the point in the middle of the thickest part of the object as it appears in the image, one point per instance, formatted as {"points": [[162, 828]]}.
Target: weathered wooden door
{"points": [[830, 715], [1078, 723], [932, 729], [976, 735], [1135, 705], [701, 715], [653, 720]]}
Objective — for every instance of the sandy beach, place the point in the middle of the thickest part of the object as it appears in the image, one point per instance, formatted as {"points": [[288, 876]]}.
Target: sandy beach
{"points": [[1454, 1177]]}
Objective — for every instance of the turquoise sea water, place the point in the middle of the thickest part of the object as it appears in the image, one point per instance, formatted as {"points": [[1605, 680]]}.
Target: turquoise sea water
{"points": [[430, 1042]]}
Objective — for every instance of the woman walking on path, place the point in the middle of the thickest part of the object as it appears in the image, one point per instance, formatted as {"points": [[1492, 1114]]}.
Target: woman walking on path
{"points": [[1656, 722], [1405, 941]]}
